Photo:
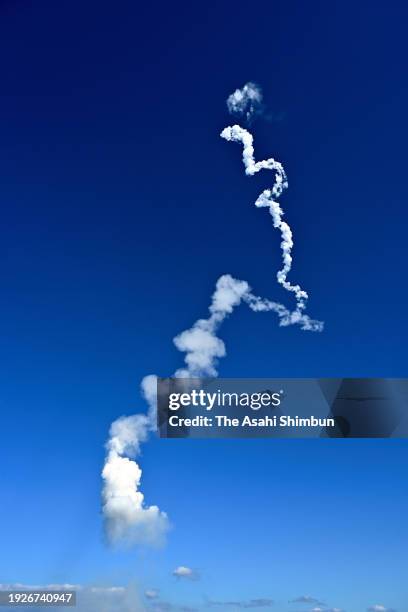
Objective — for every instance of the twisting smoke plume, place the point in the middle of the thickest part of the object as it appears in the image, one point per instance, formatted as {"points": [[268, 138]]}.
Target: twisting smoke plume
{"points": [[268, 199], [126, 516], [246, 101], [200, 343]]}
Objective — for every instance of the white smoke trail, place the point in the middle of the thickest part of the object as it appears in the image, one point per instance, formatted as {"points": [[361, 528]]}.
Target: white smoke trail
{"points": [[126, 516], [246, 101], [268, 199]]}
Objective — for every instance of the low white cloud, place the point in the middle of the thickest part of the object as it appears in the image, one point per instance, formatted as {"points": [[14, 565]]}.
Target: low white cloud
{"points": [[109, 599], [152, 593], [18, 586], [245, 604], [380, 608], [308, 599], [183, 571], [167, 606], [89, 598], [319, 606], [320, 609]]}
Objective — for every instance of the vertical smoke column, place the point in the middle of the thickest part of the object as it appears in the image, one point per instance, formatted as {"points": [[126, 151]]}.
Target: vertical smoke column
{"points": [[126, 517]]}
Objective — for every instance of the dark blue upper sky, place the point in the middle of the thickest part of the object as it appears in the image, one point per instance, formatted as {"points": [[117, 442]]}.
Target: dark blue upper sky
{"points": [[121, 206]]}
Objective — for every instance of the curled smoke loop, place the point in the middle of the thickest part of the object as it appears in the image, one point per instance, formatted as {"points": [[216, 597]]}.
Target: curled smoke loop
{"points": [[127, 519]]}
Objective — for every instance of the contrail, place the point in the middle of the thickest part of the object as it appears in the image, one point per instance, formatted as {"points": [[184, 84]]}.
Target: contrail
{"points": [[126, 516]]}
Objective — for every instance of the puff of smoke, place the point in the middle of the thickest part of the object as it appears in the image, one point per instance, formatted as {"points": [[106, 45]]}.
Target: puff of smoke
{"points": [[200, 342], [268, 199], [246, 101]]}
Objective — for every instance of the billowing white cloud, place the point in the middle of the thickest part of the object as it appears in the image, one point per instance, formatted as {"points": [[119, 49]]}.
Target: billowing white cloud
{"points": [[152, 593], [183, 571], [246, 102], [379, 608], [127, 518]]}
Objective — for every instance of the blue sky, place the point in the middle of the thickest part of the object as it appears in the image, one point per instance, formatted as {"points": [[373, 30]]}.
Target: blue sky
{"points": [[121, 208]]}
